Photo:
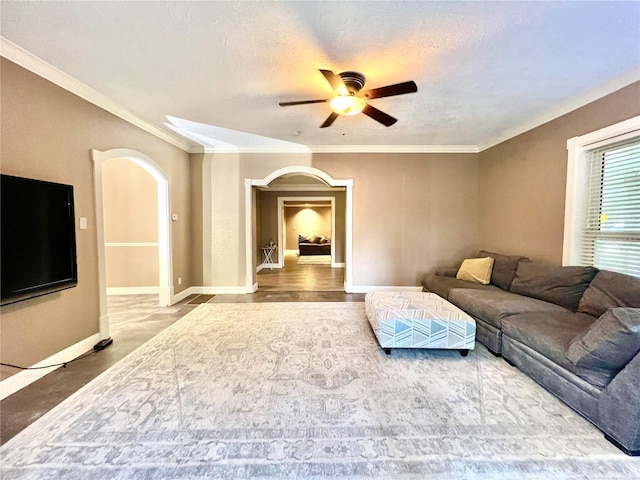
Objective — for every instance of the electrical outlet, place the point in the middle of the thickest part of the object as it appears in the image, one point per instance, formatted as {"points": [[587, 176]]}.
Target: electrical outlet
{"points": [[179, 280]]}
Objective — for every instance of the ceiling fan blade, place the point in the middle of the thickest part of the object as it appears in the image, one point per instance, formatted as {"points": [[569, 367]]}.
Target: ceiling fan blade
{"points": [[329, 120], [390, 90], [335, 81], [301, 102], [379, 116]]}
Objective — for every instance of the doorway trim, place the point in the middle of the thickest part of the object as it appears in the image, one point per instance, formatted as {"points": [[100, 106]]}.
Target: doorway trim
{"points": [[281, 224], [250, 220], [163, 182]]}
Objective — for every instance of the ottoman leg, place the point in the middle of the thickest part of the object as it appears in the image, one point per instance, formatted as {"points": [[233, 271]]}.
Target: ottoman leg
{"points": [[387, 351], [464, 353]]}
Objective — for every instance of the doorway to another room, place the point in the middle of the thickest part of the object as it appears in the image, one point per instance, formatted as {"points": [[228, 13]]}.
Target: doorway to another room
{"points": [[309, 236]]}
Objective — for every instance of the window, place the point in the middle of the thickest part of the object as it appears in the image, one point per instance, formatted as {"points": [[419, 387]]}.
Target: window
{"points": [[602, 217]]}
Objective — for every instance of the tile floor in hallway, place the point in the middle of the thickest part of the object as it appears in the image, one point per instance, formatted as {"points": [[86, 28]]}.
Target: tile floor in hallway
{"points": [[134, 319]]}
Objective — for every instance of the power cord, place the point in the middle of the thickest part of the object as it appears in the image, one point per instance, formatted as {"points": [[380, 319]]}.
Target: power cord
{"points": [[96, 348]]}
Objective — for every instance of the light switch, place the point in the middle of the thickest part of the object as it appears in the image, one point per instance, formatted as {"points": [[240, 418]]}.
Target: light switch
{"points": [[83, 223]]}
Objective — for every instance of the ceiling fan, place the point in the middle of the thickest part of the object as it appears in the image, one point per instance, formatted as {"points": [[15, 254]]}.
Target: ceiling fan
{"points": [[350, 99]]}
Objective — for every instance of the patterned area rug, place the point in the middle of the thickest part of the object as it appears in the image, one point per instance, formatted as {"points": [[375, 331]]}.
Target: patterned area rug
{"points": [[302, 390], [314, 260]]}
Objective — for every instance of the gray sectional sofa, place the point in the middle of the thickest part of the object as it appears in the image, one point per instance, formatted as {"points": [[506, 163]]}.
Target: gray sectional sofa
{"points": [[574, 330]]}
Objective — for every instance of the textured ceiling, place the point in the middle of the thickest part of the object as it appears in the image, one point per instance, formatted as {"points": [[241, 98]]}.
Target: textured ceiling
{"points": [[219, 68]]}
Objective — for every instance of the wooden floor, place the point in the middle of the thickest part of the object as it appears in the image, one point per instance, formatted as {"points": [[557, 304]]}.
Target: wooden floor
{"points": [[301, 278]]}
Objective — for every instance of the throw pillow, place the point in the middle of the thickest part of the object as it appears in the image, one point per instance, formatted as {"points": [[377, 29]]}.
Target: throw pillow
{"points": [[477, 270], [609, 290], [607, 346], [563, 286], [504, 268], [313, 238]]}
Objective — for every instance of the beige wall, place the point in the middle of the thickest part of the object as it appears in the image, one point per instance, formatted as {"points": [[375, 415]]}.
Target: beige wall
{"points": [[305, 221], [130, 199], [196, 205], [522, 181], [411, 212], [48, 133]]}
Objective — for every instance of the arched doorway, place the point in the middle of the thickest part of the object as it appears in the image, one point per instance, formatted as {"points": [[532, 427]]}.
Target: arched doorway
{"points": [[250, 217], [164, 226]]}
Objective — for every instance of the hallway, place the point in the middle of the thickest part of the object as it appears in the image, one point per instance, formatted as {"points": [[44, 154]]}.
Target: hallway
{"points": [[294, 277]]}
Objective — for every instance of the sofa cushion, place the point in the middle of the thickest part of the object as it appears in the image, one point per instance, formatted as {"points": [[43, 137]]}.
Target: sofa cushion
{"points": [[560, 285], [504, 268], [607, 346], [492, 306], [447, 272], [442, 286], [609, 290], [477, 270], [549, 334]]}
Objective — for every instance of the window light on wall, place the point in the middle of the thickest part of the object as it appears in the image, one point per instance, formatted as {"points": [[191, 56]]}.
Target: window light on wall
{"points": [[602, 217]]}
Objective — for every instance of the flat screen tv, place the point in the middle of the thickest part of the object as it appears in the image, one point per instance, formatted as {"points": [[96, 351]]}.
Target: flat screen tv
{"points": [[37, 238]]}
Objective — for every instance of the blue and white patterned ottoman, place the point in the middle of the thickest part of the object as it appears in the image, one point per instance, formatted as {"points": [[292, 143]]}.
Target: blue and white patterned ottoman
{"points": [[419, 320]]}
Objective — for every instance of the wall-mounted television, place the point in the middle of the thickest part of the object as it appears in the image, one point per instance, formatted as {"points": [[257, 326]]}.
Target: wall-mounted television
{"points": [[37, 238]]}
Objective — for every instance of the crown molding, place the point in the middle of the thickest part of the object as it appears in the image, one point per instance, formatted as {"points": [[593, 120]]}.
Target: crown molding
{"points": [[31, 62], [299, 148], [567, 106], [25, 59], [394, 149], [228, 148]]}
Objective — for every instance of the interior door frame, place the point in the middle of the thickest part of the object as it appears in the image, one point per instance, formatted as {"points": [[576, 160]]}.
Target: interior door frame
{"points": [[251, 184], [281, 225], [165, 267]]}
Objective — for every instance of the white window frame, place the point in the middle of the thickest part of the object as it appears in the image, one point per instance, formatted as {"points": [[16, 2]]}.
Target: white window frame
{"points": [[575, 192]]}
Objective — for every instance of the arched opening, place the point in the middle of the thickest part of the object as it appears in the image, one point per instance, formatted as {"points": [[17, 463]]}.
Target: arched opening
{"points": [[251, 186], [165, 291]]}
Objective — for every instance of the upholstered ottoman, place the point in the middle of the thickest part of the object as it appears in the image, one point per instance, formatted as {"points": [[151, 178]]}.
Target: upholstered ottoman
{"points": [[419, 320]]}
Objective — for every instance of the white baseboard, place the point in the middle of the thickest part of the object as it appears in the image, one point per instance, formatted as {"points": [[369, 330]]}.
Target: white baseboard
{"points": [[23, 378], [133, 291], [337, 265], [218, 290], [178, 297], [263, 266], [380, 288]]}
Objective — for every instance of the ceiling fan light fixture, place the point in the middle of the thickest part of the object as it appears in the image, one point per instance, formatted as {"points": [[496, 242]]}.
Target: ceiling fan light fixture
{"points": [[347, 105]]}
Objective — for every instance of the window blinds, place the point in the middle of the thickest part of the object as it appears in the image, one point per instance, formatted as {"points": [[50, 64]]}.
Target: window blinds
{"points": [[610, 237]]}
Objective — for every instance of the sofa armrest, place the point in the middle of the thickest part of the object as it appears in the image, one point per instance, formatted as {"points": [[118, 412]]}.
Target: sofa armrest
{"points": [[619, 407], [447, 272]]}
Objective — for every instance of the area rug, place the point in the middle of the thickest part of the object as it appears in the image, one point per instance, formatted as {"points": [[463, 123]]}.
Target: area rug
{"points": [[302, 390], [314, 260]]}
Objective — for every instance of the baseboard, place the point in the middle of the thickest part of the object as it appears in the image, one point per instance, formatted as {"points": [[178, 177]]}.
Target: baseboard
{"points": [[337, 265], [133, 291], [24, 378], [178, 297], [379, 288], [218, 290], [263, 266]]}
